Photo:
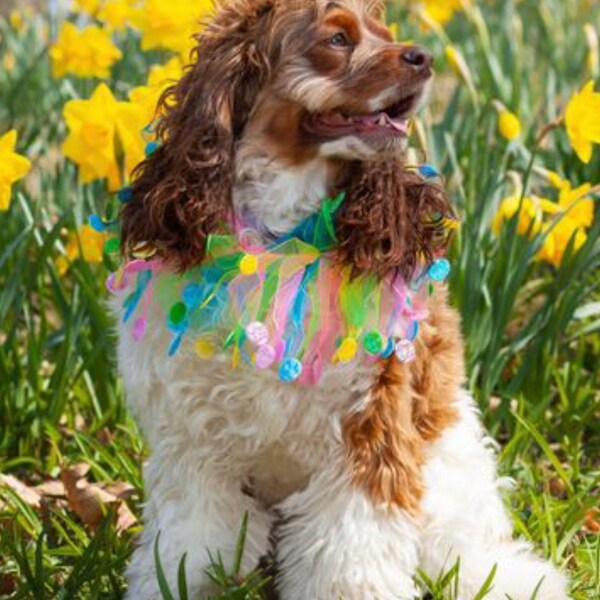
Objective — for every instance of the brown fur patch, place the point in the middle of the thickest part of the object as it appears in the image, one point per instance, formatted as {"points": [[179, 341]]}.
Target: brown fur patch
{"points": [[409, 406], [379, 30], [346, 21], [329, 62], [277, 125], [438, 370]]}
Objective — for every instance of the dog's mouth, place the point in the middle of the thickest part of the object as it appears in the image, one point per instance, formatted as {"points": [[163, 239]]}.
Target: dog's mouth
{"points": [[392, 121]]}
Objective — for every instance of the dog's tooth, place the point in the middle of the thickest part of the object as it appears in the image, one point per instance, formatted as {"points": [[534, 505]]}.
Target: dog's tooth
{"points": [[381, 119]]}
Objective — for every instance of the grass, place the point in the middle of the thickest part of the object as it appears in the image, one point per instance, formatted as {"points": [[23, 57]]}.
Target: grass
{"points": [[531, 329]]}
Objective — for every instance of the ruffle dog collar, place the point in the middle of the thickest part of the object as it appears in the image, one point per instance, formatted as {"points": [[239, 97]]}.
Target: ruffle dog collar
{"points": [[284, 304]]}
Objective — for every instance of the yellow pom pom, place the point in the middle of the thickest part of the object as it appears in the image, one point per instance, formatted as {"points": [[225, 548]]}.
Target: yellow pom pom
{"points": [[347, 350], [248, 264], [204, 348], [119, 274]]}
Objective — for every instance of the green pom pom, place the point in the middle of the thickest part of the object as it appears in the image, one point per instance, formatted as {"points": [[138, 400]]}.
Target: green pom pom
{"points": [[111, 246], [373, 342], [177, 313]]}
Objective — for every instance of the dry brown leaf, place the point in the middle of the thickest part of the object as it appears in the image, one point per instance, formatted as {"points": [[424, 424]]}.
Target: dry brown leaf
{"points": [[81, 469], [53, 488], [125, 518], [105, 435], [27, 494], [73, 491], [86, 499], [120, 489], [592, 520]]}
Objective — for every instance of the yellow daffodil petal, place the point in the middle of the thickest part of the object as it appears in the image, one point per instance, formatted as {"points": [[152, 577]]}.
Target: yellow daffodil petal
{"points": [[559, 235], [13, 167], [87, 52], [529, 215], [116, 14], [170, 24], [582, 121], [91, 142]]}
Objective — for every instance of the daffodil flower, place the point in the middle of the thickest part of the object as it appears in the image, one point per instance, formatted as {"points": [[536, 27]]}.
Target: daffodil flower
{"points": [[568, 218], [87, 52], [86, 243], [91, 139], [529, 219], [117, 14], [582, 120], [440, 11], [13, 167], [558, 236], [170, 24], [88, 7]]}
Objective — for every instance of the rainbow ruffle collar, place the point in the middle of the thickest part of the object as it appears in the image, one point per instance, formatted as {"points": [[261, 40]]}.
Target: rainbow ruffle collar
{"points": [[282, 305]]}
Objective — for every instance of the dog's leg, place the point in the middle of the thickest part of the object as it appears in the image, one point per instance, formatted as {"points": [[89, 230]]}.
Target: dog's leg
{"points": [[196, 509], [466, 520], [334, 543]]}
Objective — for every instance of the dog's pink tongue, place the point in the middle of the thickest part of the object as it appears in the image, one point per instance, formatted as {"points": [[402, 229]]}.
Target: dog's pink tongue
{"points": [[336, 124], [383, 120]]}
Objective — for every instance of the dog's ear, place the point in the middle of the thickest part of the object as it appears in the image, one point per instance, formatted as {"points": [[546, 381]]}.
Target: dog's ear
{"points": [[392, 219], [182, 192]]}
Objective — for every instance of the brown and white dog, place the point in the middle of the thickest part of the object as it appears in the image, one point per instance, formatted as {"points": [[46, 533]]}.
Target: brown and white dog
{"points": [[379, 470]]}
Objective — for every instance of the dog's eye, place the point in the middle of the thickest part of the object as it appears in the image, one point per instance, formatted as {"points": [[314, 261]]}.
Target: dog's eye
{"points": [[339, 40]]}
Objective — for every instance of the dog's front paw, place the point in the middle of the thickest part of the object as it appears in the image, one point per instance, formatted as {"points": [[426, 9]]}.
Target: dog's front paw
{"points": [[519, 575]]}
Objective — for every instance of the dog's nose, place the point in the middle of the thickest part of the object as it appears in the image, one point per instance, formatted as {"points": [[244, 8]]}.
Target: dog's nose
{"points": [[416, 57]]}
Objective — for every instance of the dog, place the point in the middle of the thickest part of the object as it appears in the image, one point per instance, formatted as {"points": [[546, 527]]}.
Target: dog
{"points": [[379, 468]]}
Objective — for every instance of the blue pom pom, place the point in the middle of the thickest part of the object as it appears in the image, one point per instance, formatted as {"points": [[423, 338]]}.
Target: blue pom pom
{"points": [[428, 171], [178, 328], [193, 294], [439, 269], [175, 343], [97, 224], [151, 147], [389, 349], [125, 194], [290, 370]]}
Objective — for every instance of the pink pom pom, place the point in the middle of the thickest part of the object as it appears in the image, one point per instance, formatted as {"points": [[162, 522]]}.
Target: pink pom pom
{"points": [[257, 333], [139, 329], [405, 351], [110, 283], [265, 356]]}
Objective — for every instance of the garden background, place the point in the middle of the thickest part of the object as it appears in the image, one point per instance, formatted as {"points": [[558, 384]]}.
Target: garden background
{"points": [[512, 125]]}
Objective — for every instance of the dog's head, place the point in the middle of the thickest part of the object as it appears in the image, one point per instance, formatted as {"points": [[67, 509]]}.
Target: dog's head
{"points": [[310, 80], [340, 86]]}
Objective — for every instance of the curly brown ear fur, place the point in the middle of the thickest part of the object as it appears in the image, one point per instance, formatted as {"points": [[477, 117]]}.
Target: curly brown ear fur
{"points": [[391, 218], [182, 191]]}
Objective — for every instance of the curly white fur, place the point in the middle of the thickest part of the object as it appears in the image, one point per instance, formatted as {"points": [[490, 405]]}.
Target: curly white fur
{"points": [[214, 432]]}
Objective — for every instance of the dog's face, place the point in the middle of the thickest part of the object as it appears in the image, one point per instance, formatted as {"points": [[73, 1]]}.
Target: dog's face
{"points": [[340, 87]]}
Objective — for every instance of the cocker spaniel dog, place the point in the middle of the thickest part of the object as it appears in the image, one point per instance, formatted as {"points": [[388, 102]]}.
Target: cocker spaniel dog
{"points": [[286, 342]]}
